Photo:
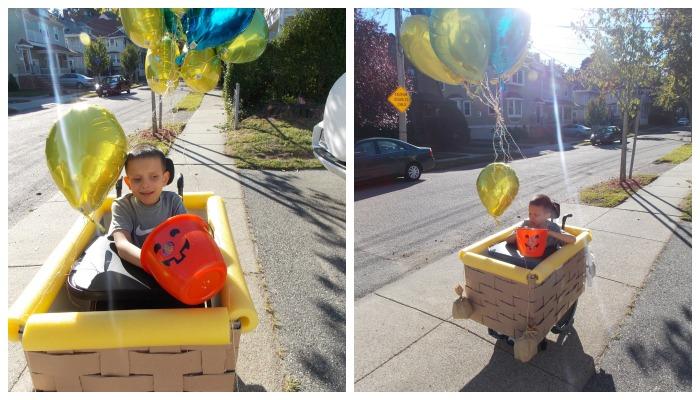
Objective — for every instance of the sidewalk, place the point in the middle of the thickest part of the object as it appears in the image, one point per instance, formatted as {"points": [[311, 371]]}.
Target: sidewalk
{"points": [[198, 154], [406, 340]]}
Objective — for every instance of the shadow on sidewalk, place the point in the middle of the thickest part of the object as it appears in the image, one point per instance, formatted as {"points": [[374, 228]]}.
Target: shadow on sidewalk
{"points": [[666, 220], [379, 186], [505, 373]]}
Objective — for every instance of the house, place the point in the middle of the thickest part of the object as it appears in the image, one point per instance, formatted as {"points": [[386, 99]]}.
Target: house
{"points": [[529, 99], [107, 28], [36, 47], [277, 17]]}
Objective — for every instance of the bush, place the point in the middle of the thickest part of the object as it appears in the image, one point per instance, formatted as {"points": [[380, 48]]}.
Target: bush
{"points": [[12, 86], [305, 60]]}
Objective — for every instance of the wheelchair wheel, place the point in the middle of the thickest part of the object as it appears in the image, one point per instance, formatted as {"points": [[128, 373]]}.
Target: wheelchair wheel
{"points": [[566, 321]]}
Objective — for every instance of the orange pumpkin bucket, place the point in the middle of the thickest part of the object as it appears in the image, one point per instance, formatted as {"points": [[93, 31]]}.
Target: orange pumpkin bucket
{"points": [[531, 242], [182, 256]]}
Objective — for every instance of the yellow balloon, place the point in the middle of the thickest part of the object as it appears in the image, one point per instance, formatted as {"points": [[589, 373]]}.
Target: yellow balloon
{"points": [[201, 70], [249, 44], [179, 11], [85, 153], [415, 40], [161, 69], [144, 26], [497, 186], [461, 38]]}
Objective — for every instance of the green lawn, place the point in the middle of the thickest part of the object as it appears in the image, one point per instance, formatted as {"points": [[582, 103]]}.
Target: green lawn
{"points": [[687, 207], [190, 102], [162, 139], [268, 143], [613, 192], [677, 155]]}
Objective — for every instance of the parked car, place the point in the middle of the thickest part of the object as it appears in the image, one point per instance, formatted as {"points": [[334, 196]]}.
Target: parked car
{"points": [[328, 139], [114, 84], [683, 121], [606, 134], [377, 157], [76, 80], [576, 130]]}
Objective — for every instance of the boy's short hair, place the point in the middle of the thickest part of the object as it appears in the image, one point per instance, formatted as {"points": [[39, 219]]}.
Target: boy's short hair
{"points": [[145, 150]]}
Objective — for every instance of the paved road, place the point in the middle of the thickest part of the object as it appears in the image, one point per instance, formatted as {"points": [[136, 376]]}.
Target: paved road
{"points": [[402, 226], [653, 350], [29, 181], [298, 222]]}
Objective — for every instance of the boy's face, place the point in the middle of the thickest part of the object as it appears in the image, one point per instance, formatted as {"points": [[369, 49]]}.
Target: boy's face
{"points": [[146, 179], [538, 215]]}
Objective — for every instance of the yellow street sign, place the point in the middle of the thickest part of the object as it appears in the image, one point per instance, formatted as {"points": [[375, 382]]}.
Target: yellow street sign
{"points": [[400, 99]]}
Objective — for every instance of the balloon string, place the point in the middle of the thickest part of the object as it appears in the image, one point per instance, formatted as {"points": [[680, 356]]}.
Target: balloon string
{"points": [[100, 228]]}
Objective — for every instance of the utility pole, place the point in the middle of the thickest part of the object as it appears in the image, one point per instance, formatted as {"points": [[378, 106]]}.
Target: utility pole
{"points": [[402, 74]]}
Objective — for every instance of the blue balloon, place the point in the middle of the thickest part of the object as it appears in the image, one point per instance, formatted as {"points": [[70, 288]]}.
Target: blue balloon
{"points": [[211, 27], [510, 33]]}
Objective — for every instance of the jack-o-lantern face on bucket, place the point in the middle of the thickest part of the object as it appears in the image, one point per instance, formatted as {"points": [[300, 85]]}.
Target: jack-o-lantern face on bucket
{"points": [[532, 242], [172, 250], [183, 257]]}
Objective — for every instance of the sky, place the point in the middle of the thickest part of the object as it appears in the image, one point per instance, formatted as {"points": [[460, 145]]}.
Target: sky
{"points": [[550, 31]]}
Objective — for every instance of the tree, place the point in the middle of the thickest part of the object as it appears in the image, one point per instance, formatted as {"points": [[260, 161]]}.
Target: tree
{"points": [[622, 60], [597, 112], [375, 75], [96, 57], [130, 60], [672, 28]]}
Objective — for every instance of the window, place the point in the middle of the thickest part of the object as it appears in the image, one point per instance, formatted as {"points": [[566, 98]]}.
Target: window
{"points": [[567, 113], [467, 108], [386, 147], [515, 107], [366, 148], [111, 42], [55, 33], [518, 78], [124, 42]]}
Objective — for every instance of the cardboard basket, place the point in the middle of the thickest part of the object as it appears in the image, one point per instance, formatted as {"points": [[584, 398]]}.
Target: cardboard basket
{"points": [[518, 302], [137, 369]]}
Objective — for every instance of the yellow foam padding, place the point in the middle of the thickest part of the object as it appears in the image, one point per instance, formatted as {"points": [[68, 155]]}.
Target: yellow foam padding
{"points": [[127, 328], [473, 256], [235, 295], [41, 292]]}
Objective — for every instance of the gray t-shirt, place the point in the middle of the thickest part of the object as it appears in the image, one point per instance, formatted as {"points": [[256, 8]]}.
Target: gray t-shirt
{"points": [[551, 240], [129, 214]]}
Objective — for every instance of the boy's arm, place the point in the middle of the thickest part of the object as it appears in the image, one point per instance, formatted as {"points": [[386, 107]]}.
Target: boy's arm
{"points": [[563, 236], [511, 239], [125, 248]]}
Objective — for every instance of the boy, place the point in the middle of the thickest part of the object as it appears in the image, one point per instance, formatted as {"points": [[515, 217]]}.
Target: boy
{"points": [[135, 214]]}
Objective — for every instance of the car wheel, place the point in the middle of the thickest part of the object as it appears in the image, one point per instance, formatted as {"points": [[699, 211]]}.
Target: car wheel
{"points": [[413, 171]]}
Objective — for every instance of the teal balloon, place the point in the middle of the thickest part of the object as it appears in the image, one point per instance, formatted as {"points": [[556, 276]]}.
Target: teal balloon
{"points": [[510, 33], [461, 38], [211, 27]]}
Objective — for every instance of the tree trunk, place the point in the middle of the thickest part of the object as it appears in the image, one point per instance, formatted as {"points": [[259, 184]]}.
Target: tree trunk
{"points": [[623, 147], [153, 113], [634, 145], [160, 112]]}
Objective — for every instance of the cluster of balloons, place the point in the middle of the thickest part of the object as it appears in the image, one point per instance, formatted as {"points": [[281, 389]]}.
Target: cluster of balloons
{"points": [[214, 35], [459, 45]]}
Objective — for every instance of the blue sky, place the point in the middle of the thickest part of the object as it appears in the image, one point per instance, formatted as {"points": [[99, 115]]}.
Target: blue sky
{"points": [[550, 31]]}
